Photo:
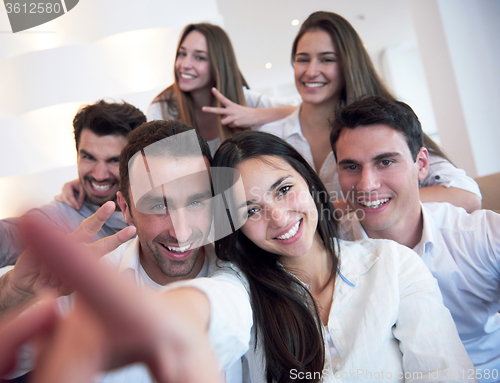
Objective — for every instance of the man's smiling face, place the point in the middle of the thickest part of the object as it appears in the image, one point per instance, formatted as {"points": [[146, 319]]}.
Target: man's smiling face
{"points": [[98, 165], [173, 220], [379, 177]]}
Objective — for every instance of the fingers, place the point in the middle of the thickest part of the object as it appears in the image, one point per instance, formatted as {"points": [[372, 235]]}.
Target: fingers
{"points": [[91, 226], [224, 100], [68, 194], [76, 266], [108, 244], [78, 342], [81, 199], [214, 110], [18, 328]]}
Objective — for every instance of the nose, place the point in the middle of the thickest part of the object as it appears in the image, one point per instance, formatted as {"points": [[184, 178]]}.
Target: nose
{"points": [[181, 225], [312, 69], [101, 171], [278, 217], [368, 181], [186, 62]]}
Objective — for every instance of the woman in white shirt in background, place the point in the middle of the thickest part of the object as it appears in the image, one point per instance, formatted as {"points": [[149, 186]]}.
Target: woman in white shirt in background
{"points": [[332, 69]]}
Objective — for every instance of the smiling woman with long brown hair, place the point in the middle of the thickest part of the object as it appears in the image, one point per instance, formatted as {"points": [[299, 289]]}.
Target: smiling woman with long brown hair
{"points": [[332, 69]]}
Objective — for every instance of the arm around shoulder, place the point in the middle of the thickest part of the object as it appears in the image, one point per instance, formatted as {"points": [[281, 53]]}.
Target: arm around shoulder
{"points": [[446, 183]]}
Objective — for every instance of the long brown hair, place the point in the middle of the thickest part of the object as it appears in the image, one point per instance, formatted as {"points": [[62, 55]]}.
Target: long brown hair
{"points": [[224, 71], [285, 314], [360, 77]]}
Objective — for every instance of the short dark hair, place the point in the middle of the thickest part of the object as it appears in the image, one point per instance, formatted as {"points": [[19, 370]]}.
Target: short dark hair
{"points": [[106, 118], [379, 110], [148, 134]]}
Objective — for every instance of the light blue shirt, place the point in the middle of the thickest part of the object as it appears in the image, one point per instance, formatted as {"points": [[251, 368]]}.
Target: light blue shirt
{"points": [[462, 251]]}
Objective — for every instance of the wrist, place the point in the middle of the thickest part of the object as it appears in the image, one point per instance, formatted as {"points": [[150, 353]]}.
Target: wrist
{"points": [[11, 297]]}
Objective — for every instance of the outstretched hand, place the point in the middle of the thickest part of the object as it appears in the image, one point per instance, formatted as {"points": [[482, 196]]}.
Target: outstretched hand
{"points": [[30, 276], [67, 195], [115, 323]]}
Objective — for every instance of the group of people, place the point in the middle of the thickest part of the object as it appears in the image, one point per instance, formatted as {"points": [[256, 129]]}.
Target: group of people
{"points": [[242, 268]]}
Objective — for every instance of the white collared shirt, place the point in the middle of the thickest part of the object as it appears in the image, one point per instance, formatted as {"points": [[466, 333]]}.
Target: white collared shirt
{"points": [[387, 317], [462, 251], [441, 171]]}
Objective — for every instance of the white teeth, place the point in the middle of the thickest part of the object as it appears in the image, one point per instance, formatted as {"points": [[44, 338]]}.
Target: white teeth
{"points": [[292, 231], [101, 187], [188, 76], [315, 84], [178, 249], [373, 204]]}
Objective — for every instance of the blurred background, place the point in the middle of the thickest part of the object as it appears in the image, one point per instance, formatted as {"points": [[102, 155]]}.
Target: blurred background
{"points": [[440, 56]]}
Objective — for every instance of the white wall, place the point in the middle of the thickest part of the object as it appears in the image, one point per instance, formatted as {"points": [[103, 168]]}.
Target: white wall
{"points": [[459, 44], [118, 49]]}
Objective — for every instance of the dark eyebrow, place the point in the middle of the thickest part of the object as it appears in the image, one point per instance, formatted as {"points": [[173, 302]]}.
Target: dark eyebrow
{"points": [[196, 50], [319, 54], [114, 158], [201, 196], [386, 155], [275, 185], [271, 188], [83, 151], [348, 161]]}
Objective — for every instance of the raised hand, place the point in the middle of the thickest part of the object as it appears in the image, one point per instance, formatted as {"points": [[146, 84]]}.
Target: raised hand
{"points": [[232, 115], [30, 276], [67, 195], [115, 323]]}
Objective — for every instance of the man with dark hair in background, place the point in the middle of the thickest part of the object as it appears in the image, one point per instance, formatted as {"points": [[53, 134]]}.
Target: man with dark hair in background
{"points": [[101, 131]]}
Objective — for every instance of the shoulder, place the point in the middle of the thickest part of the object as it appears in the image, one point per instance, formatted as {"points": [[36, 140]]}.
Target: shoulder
{"points": [[63, 216], [382, 258], [284, 127], [443, 173], [115, 257], [446, 216], [256, 99]]}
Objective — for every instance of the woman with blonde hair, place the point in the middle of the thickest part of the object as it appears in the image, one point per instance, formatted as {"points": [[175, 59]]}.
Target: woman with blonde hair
{"points": [[332, 69]]}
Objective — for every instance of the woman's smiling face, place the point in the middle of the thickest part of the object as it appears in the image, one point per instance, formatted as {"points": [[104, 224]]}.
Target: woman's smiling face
{"points": [[192, 65], [317, 68], [282, 216]]}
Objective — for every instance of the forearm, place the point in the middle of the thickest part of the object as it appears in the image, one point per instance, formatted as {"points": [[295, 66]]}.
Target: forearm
{"points": [[11, 298], [263, 116], [190, 304], [458, 197]]}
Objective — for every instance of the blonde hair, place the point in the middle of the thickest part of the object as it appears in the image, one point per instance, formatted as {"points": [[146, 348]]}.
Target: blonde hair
{"points": [[224, 71]]}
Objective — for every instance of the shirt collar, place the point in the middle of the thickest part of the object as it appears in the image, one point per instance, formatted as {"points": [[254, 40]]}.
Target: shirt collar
{"points": [[131, 259], [358, 264], [426, 243], [292, 125]]}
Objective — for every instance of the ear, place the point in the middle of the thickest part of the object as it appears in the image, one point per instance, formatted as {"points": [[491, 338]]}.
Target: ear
{"points": [[423, 163], [124, 208]]}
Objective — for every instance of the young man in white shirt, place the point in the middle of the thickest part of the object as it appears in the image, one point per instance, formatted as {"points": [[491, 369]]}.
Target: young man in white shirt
{"points": [[381, 159]]}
